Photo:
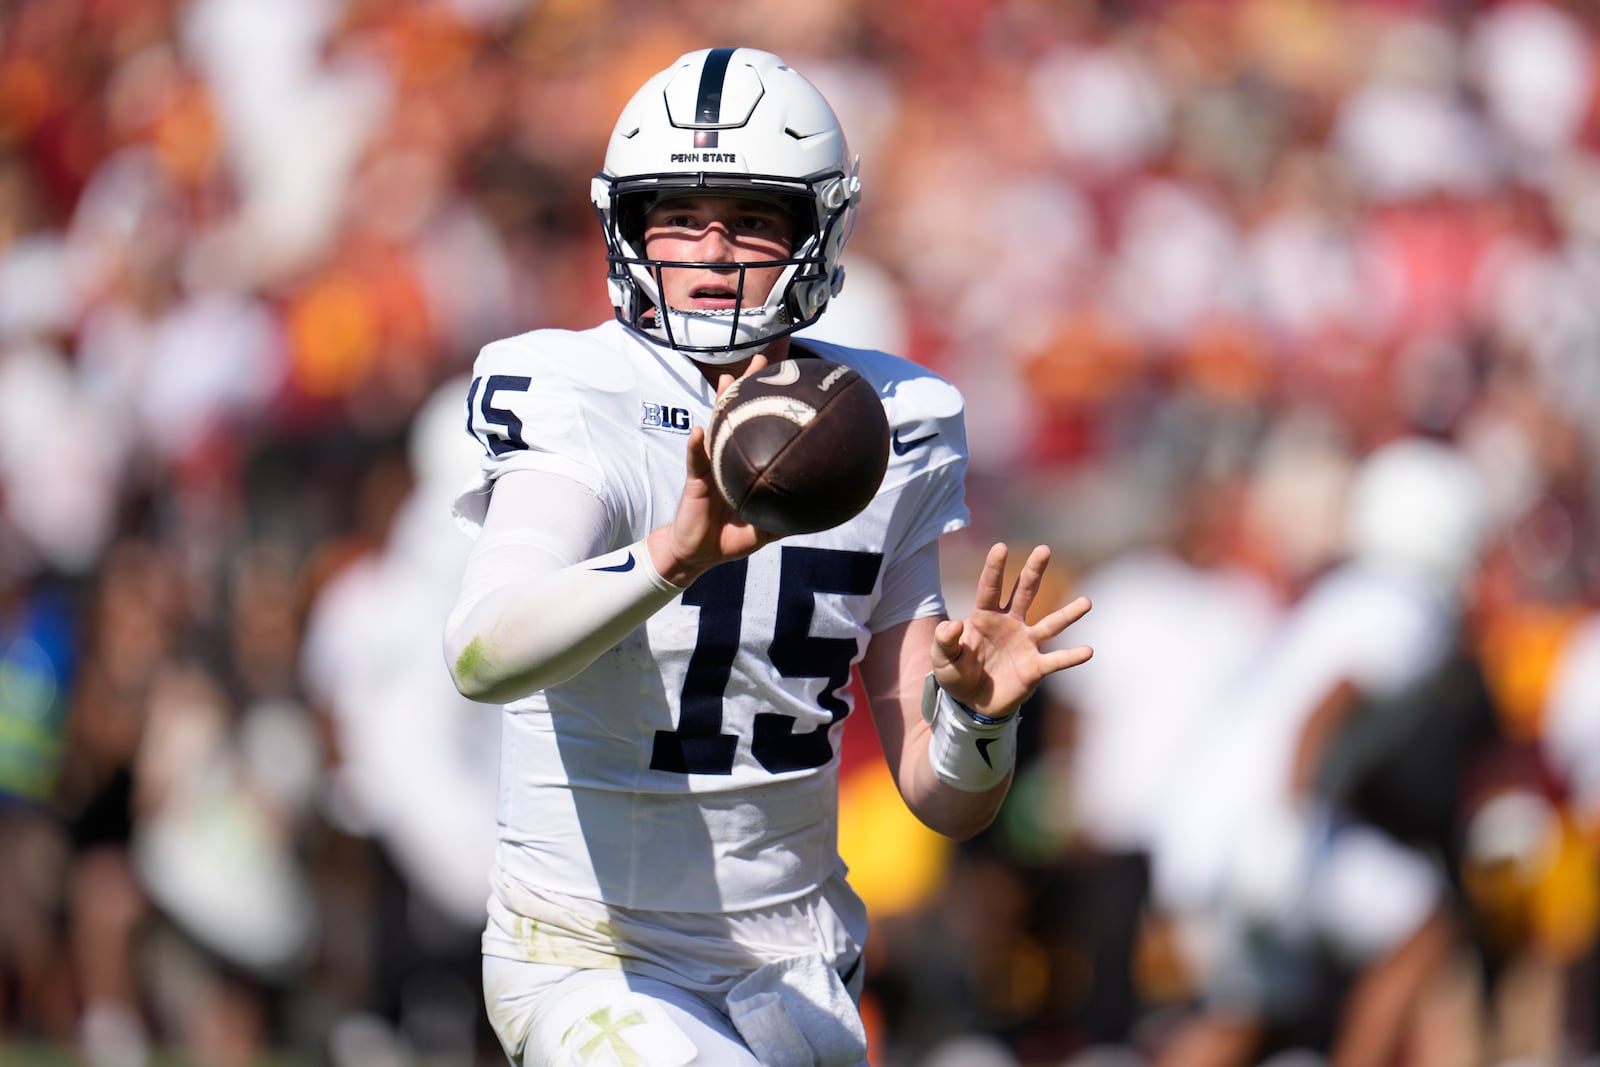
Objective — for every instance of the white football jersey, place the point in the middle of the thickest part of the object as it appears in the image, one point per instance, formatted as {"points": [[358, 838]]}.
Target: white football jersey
{"points": [[1376, 629], [694, 766]]}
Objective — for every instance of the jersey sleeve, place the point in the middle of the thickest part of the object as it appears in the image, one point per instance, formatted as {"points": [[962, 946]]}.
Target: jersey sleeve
{"points": [[911, 589], [927, 461], [528, 415], [925, 482]]}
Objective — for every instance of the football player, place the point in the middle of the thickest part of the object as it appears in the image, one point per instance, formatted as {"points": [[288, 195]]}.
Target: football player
{"points": [[1292, 898], [667, 888]]}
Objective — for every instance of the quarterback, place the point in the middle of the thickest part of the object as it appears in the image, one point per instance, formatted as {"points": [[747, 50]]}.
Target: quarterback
{"points": [[667, 888]]}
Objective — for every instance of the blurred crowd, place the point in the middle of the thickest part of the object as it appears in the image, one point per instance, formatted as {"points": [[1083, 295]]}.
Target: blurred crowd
{"points": [[1276, 319]]}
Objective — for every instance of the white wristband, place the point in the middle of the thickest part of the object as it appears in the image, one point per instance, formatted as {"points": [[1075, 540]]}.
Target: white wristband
{"points": [[971, 752]]}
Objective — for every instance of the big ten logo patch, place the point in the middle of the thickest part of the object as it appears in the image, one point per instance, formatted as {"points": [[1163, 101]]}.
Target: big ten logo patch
{"points": [[665, 417]]}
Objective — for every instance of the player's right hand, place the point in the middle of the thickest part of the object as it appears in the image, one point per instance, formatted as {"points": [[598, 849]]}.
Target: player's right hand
{"points": [[705, 531]]}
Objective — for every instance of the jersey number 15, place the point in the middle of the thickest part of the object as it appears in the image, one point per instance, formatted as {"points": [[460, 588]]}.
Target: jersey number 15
{"points": [[698, 745]]}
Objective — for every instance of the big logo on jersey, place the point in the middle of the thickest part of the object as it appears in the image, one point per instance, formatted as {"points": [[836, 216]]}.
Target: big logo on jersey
{"points": [[665, 417]]}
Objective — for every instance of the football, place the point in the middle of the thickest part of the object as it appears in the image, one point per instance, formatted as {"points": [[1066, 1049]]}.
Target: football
{"points": [[799, 447]]}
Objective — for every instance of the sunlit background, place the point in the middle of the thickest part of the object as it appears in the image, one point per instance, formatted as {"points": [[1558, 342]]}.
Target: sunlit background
{"points": [[1191, 263]]}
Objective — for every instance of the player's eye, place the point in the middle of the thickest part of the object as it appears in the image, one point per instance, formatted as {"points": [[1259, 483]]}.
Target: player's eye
{"points": [[764, 225]]}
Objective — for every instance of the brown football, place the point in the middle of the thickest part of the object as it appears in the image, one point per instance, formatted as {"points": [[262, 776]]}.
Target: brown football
{"points": [[800, 446]]}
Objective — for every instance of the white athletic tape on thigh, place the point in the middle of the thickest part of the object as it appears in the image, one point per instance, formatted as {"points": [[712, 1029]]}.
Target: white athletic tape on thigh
{"points": [[795, 1013]]}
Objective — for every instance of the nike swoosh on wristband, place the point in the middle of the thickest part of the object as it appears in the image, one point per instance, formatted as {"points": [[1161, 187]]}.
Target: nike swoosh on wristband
{"points": [[902, 447], [625, 565], [983, 744]]}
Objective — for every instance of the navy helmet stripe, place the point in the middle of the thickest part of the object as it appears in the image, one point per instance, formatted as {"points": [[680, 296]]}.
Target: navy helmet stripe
{"points": [[708, 111]]}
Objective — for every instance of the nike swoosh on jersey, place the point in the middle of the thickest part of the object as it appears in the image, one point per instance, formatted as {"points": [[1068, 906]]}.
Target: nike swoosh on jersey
{"points": [[619, 568], [902, 447], [983, 744]]}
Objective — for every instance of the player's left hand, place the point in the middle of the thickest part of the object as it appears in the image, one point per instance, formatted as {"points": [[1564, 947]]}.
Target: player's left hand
{"points": [[992, 660]]}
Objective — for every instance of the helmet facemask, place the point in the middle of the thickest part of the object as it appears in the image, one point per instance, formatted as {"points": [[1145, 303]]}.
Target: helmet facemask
{"points": [[821, 211]]}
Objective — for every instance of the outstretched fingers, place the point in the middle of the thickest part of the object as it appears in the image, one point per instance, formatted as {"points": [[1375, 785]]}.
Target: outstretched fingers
{"points": [[1052, 625], [1028, 582], [991, 581], [1059, 659]]}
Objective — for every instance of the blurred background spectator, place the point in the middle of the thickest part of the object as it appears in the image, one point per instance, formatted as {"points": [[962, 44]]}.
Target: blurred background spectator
{"points": [[1192, 263]]}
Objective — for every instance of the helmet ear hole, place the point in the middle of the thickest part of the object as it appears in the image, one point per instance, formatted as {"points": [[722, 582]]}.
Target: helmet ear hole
{"points": [[802, 219], [631, 212]]}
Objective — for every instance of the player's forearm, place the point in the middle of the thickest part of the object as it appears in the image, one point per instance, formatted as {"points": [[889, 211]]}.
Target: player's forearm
{"points": [[543, 629], [676, 567], [943, 808], [895, 678]]}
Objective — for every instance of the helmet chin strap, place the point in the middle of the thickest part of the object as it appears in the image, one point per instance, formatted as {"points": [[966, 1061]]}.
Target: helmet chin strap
{"points": [[740, 354], [710, 337], [704, 332]]}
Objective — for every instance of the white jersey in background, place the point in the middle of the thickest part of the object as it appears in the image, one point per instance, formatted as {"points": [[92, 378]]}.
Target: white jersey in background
{"points": [[1237, 845]]}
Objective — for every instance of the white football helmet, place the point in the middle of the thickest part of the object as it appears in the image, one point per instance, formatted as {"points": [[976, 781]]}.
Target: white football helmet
{"points": [[727, 121], [1421, 506]]}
